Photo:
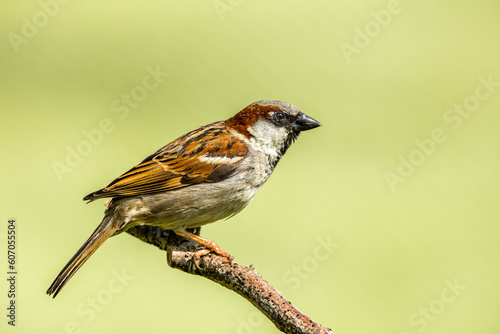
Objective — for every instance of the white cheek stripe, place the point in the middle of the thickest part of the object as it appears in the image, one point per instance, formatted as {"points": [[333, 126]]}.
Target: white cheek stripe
{"points": [[219, 160]]}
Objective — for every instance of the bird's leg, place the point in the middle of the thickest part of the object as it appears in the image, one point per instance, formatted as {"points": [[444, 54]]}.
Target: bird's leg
{"points": [[209, 244]]}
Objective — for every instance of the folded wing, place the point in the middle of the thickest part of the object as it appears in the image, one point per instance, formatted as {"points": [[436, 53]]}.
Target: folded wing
{"points": [[208, 154]]}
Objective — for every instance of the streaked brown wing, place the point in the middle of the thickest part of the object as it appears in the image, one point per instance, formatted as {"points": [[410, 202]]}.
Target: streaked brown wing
{"points": [[208, 154]]}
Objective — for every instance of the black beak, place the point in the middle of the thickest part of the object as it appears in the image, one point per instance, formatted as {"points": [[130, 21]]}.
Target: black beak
{"points": [[305, 122]]}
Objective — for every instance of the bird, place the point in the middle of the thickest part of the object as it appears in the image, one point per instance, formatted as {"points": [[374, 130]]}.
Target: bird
{"points": [[208, 174]]}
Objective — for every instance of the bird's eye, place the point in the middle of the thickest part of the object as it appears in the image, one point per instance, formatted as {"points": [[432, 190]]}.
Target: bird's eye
{"points": [[279, 115]]}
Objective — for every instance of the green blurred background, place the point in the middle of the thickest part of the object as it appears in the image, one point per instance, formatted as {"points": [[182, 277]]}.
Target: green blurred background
{"points": [[369, 225]]}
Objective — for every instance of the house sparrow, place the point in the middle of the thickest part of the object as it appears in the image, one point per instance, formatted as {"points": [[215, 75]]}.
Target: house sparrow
{"points": [[208, 174]]}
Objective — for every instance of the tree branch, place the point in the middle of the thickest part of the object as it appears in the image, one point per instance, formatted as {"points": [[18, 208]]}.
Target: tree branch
{"points": [[240, 279]]}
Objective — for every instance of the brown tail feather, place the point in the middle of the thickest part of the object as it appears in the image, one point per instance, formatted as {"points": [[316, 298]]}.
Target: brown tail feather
{"points": [[106, 229]]}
